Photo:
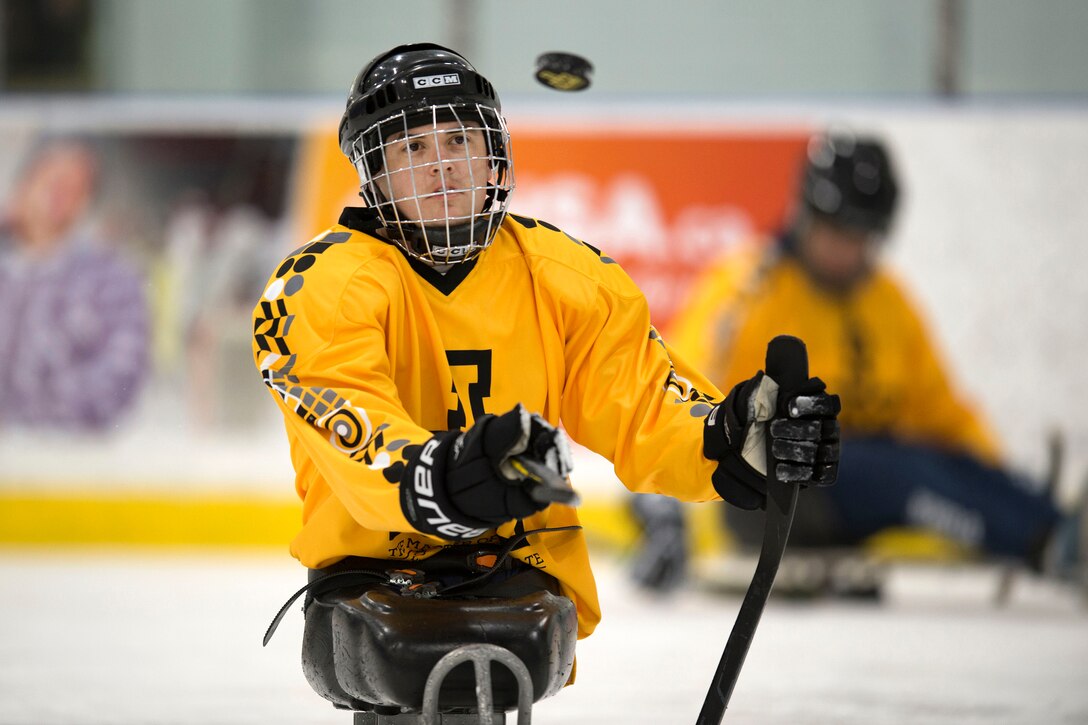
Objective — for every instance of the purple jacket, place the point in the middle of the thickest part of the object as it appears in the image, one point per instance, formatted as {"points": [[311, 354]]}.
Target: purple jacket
{"points": [[74, 339]]}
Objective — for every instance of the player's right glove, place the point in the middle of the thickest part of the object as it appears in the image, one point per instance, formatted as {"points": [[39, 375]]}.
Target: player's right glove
{"points": [[805, 445], [461, 484]]}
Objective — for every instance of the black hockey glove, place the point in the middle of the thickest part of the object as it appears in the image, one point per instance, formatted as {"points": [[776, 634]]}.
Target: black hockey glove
{"points": [[661, 561], [460, 485], [805, 444]]}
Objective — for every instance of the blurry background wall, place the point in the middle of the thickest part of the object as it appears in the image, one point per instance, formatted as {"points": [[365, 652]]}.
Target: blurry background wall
{"points": [[212, 121], [702, 47]]}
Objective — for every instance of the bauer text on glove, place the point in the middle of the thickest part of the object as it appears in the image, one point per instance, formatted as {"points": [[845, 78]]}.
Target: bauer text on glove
{"points": [[461, 484]]}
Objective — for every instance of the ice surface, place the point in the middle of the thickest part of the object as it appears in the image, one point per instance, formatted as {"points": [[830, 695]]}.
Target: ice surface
{"points": [[168, 637]]}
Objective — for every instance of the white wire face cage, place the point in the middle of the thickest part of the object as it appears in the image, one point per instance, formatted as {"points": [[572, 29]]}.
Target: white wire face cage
{"points": [[439, 179]]}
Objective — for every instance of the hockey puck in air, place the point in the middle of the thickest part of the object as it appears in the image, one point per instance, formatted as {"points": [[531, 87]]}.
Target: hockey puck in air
{"points": [[564, 71]]}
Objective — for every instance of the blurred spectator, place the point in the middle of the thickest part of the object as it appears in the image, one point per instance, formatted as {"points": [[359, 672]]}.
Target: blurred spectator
{"points": [[915, 453], [74, 334]]}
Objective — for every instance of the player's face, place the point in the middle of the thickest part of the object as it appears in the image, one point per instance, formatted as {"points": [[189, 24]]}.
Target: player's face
{"points": [[436, 173], [837, 255]]}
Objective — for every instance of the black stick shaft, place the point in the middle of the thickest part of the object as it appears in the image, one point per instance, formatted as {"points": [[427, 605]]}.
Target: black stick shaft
{"points": [[787, 364]]}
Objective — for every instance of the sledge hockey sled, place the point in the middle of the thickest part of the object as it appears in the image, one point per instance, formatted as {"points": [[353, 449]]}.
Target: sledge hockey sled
{"points": [[415, 649]]}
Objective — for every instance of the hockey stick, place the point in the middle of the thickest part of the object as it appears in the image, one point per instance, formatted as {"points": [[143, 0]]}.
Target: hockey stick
{"points": [[550, 486], [787, 364]]}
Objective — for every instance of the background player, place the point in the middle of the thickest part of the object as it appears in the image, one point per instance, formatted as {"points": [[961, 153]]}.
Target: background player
{"points": [[915, 452], [418, 345]]}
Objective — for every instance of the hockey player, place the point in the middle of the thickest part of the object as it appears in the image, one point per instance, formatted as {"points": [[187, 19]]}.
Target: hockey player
{"points": [[915, 453], [429, 343]]}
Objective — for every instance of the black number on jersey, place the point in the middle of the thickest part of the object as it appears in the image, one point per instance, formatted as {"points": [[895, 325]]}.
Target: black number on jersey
{"points": [[477, 391]]}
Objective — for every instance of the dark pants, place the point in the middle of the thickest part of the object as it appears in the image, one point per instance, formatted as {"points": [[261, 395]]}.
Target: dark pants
{"points": [[883, 484]]}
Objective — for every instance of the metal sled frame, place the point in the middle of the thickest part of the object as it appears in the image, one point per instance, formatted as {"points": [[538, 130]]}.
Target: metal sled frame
{"points": [[481, 656]]}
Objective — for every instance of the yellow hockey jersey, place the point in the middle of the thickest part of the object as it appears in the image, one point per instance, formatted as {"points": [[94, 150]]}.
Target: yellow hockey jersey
{"points": [[367, 352], [870, 346]]}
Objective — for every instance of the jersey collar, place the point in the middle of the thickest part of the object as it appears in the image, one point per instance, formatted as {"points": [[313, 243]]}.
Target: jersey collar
{"points": [[364, 219]]}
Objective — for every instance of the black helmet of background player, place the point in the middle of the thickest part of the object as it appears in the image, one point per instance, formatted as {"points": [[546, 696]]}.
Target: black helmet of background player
{"points": [[847, 199], [849, 181], [418, 87]]}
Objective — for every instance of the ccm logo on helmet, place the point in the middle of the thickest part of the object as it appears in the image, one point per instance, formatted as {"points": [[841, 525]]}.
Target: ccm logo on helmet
{"points": [[447, 79]]}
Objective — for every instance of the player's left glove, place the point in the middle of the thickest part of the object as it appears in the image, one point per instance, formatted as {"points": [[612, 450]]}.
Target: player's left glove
{"points": [[805, 444]]}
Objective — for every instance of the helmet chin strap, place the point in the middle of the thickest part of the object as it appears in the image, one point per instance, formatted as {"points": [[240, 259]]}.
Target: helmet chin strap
{"points": [[423, 242]]}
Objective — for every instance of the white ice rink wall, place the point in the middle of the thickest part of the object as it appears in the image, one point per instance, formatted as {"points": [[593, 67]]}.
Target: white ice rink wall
{"points": [[992, 239]]}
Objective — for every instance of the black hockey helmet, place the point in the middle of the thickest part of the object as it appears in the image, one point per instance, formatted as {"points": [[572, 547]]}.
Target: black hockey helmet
{"points": [[414, 78], [421, 85], [849, 181]]}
